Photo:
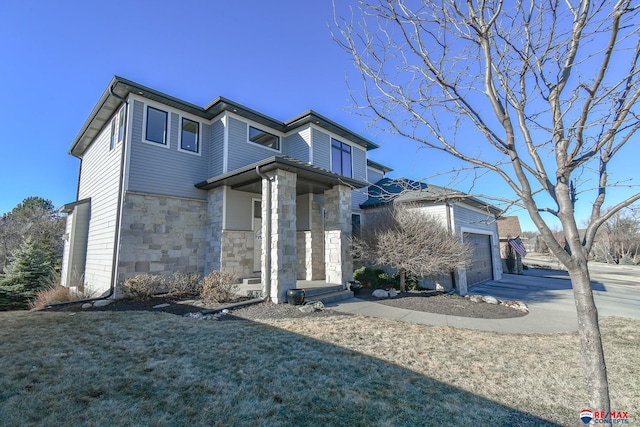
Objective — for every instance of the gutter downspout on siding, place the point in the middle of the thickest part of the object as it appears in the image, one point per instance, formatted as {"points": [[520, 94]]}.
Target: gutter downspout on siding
{"points": [[116, 246], [118, 214], [267, 295]]}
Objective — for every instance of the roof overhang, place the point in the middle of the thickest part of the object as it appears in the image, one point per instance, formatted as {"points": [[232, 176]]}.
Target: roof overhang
{"points": [[378, 166], [69, 207], [119, 89], [310, 179], [333, 127]]}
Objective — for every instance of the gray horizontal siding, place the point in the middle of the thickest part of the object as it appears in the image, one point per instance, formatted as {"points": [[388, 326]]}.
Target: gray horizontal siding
{"points": [[158, 170], [357, 197], [99, 180], [359, 160], [241, 152], [374, 175], [239, 210], [216, 153], [297, 145], [465, 217], [321, 147]]}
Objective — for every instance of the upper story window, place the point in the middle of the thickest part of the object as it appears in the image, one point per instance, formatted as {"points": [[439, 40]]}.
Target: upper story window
{"points": [[263, 138], [156, 125], [112, 141], [340, 157], [121, 121], [189, 138]]}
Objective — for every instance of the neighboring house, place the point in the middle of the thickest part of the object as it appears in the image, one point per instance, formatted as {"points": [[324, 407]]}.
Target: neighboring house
{"points": [[509, 229], [469, 217], [166, 186]]}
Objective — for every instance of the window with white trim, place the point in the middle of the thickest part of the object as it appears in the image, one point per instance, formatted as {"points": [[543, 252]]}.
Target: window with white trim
{"points": [[340, 157], [112, 141], [190, 136], [121, 122], [264, 138], [156, 127]]}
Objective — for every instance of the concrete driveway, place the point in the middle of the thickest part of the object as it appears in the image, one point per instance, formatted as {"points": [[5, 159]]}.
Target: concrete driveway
{"points": [[547, 292], [616, 289]]}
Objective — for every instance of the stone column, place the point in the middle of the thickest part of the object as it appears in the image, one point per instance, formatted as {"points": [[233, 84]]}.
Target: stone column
{"points": [[338, 260], [317, 240], [282, 245], [215, 206]]}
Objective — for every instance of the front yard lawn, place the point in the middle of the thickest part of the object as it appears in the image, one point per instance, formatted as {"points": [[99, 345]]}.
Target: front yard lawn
{"points": [[146, 368]]}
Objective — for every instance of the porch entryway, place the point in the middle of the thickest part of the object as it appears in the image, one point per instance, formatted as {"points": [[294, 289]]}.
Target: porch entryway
{"points": [[282, 183]]}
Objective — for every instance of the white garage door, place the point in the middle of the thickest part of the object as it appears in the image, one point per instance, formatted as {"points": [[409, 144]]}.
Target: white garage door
{"points": [[481, 268]]}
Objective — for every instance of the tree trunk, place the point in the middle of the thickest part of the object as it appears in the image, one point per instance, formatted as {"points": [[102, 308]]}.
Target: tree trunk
{"points": [[592, 352], [402, 274]]}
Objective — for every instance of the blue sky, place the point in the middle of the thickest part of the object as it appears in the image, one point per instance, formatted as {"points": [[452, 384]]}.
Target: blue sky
{"points": [[277, 57]]}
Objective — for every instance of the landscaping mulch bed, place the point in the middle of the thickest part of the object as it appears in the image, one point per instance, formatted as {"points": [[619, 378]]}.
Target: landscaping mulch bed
{"points": [[181, 307], [442, 303], [424, 300]]}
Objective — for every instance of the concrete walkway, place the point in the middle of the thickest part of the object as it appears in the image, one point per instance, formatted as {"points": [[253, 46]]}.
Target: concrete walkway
{"points": [[539, 320], [549, 297]]}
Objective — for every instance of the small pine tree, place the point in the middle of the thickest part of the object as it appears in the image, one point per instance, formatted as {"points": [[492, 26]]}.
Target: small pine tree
{"points": [[30, 270]]}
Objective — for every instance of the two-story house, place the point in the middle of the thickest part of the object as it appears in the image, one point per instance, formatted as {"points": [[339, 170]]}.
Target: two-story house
{"points": [[165, 186]]}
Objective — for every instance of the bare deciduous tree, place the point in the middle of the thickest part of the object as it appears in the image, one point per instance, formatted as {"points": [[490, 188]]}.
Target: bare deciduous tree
{"points": [[403, 237], [541, 94], [618, 240]]}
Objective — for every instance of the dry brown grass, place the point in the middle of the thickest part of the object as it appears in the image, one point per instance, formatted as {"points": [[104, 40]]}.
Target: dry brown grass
{"points": [[135, 368], [52, 295]]}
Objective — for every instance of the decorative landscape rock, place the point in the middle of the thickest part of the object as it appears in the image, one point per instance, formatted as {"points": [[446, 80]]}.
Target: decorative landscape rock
{"points": [[161, 305], [86, 305], [200, 316], [380, 293], [490, 300], [102, 303], [311, 307], [476, 298], [516, 305], [307, 308]]}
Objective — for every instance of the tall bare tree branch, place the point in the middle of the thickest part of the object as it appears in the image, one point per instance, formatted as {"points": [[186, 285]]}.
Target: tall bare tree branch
{"points": [[541, 94]]}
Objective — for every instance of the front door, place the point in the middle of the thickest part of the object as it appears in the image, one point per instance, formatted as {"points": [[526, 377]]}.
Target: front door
{"points": [[257, 233]]}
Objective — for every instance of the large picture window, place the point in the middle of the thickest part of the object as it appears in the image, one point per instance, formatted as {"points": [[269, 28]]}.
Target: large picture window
{"points": [[340, 157], [263, 138], [189, 139], [156, 125]]}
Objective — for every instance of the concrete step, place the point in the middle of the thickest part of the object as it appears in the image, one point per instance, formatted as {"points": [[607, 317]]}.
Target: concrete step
{"points": [[330, 297], [311, 293]]}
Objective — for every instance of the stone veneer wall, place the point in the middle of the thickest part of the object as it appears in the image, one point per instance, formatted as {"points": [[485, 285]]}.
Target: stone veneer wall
{"points": [[161, 235], [213, 229], [338, 260], [237, 253], [310, 255], [283, 233], [301, 253]]}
